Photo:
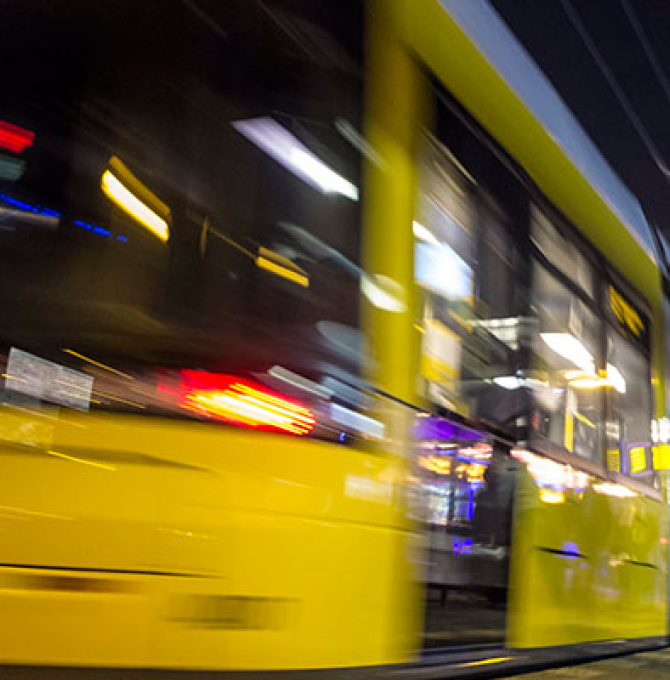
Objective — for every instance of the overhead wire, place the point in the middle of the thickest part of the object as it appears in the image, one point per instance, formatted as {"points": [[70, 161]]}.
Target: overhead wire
{"points": [[662, 78], [614, 85], [625, 103], [646, 46]]}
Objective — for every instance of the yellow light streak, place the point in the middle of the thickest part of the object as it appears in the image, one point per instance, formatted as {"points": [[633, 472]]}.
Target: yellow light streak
{"points": [[83, 461], [484, 662], [583, 419], [74, 395], [8, 376], [119, 399], [98, 364], [117, 192], [291, 273]]}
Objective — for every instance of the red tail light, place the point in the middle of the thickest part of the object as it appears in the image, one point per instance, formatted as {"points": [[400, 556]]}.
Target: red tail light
{"points": [[228, 398], [15, 138]]}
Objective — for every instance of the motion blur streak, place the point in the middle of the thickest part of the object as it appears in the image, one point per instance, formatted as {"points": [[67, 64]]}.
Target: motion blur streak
{"points": [[615, 490], [75, 459], [282, 266], [88, 360], [15, 138], [248, 406], [132, 205], [485, 662], [286, 149]]}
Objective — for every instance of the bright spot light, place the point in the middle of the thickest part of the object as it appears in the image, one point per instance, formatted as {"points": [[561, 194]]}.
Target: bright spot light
{"points": [[242, 404], [290, 152], [570, 348], [615, 379], [383, 292], [508, 382], [552, 497], [424, 234], [132, 205]]}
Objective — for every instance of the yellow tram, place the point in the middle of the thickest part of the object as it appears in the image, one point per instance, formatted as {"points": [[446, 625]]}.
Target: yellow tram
{"points": [[329, 341]]}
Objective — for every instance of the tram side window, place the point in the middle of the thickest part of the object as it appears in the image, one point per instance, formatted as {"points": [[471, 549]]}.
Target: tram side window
{"points": [[568, 407], [560, 252], [629, 408], [465, 268]]}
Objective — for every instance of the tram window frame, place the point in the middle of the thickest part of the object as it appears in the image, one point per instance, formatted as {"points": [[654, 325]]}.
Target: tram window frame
{"points": [[605, 276], [481, 209], [525, 189], [589, 299], [642, 347]]}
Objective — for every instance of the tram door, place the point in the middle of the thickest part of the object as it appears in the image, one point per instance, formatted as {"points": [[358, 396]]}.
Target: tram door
{"points": [[466, 486], [466, 273]]}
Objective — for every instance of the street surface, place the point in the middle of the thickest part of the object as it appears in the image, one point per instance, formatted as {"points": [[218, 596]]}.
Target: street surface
{"points": [[647, 666]]}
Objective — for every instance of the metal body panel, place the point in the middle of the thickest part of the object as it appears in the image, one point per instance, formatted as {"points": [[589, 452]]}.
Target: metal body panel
{"points": [[198, 547]]}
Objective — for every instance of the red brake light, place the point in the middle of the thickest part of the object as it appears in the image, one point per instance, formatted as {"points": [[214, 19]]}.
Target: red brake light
{"points": [[15, 138], [228, 398]]}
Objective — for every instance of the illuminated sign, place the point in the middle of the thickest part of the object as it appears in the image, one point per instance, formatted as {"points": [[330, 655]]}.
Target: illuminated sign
{"points": [[661, 457], [626, 314], [638, 459]]}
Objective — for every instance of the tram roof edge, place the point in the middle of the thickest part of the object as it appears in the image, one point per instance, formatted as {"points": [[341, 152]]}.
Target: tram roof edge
{"points": [[434, 41], [486, 29]]}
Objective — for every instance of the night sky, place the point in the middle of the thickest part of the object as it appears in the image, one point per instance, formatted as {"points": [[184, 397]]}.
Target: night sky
{"points": [[546, 31]]}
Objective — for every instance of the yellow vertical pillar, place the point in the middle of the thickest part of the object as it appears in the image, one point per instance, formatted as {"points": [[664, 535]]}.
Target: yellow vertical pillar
{"points": [[393, 113], [659, 380], [394, 107]]}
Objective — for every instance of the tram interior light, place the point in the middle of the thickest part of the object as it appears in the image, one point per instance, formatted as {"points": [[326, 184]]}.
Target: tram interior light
{"points": [[276, 141], [423, 234], [614, 490], [615, 379], [570, 348], [508, 382], [589, 380], [433, 258]]}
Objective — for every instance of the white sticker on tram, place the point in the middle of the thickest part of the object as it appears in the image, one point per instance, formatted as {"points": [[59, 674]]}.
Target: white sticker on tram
{"points": [[46, 380]]}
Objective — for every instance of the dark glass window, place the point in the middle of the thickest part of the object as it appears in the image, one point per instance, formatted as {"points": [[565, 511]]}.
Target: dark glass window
{"points": [[467, 271], [591, 374], [465, 483], [568, 408], [630, 410], [190, 194]]}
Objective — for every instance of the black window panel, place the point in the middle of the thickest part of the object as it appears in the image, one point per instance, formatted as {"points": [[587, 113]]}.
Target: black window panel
{"points": [[159, 86]]}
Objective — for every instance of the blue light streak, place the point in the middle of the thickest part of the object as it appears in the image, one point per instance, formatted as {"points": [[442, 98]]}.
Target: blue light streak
{"points": [[49, 212], [37, 209]]}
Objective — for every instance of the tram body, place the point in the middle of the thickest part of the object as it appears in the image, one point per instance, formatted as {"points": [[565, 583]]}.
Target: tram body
{"points": [[296, 495]]}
